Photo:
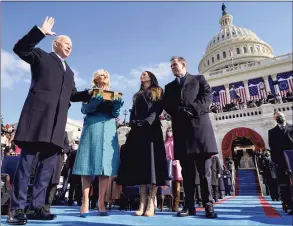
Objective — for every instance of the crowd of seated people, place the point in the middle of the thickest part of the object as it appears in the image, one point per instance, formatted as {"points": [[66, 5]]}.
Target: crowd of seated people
{"points": [[252, 103], [8, 148]]}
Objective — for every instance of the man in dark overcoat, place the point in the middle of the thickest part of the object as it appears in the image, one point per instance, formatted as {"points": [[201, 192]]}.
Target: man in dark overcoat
{"points": [[41, 126], [216, 174], [280, 140], [187, 99]]}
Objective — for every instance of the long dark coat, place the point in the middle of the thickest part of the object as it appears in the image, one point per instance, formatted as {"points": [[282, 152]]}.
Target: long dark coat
{"points": [[191, 135], [216, 169], [44, 114], [279, 141], [227, 177], [143, 156]]}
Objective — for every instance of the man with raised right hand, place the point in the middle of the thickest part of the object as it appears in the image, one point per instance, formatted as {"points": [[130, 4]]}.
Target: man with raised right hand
{"points": [[41, 127]]}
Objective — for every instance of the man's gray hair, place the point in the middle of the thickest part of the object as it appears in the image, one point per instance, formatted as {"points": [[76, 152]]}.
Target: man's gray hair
{"points": [[58, 38]]}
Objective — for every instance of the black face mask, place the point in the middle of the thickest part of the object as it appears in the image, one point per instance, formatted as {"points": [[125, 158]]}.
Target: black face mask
{"points": [[280, 119]]}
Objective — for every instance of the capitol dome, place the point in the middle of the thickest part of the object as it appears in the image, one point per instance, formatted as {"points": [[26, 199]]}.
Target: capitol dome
{"points": [[233, 46]]}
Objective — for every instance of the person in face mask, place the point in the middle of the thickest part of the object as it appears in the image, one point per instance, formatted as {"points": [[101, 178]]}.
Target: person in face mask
{"points": [[175, 169], [279, 141]]}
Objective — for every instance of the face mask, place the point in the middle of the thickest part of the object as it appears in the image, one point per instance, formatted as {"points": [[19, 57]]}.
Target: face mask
{"points": [[280, 119], [169, 134]]}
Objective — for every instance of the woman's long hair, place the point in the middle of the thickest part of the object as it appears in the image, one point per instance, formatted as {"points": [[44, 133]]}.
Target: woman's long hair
{"points": [[156, 90]]}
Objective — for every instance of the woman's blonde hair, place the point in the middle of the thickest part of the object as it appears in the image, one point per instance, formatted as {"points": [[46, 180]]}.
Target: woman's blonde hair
{"points": [[97, 74]]}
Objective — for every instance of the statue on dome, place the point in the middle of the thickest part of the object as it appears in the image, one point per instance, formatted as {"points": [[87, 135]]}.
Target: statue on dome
{"points": [[224, 12]]}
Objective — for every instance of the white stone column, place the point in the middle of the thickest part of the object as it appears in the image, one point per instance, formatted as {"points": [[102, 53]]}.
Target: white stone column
{"points": [[227, 93], [246, 90], [267, 84]]}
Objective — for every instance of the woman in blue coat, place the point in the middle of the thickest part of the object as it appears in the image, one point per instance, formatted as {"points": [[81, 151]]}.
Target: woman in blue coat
{"points": [[98, 152]]}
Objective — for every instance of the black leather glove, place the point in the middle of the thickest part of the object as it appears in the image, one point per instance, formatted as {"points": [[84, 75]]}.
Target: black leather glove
{"points": [[138, 123], [185, 112], [132, 124]]}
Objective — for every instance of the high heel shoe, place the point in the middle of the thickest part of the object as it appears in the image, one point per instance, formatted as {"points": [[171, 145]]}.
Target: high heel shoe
{"points": [[84, 215], [103, 214]]}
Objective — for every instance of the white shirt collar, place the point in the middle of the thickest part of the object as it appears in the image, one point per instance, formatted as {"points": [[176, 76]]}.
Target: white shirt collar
{"points": [[60, 57], [282, 126]]}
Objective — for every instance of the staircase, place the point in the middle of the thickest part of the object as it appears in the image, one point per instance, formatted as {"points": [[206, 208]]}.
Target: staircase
{"points": [[247, 183]]}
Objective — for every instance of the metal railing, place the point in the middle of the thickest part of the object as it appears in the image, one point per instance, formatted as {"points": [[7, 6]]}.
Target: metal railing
{"points": [[258, 176]]}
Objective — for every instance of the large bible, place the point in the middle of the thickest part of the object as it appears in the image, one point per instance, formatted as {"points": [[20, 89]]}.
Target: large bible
{"points": [[108, 95]]}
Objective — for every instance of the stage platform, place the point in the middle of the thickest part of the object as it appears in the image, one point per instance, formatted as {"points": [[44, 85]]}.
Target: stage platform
{"points": [[239, 210]]}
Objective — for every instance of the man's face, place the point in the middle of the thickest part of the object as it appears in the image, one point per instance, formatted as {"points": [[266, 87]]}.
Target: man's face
{"points": [[178, 68], [279, 117], [63, 47]]}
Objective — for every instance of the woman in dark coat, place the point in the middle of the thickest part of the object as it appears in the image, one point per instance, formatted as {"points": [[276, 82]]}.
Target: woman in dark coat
{"points": [[144, 159]]}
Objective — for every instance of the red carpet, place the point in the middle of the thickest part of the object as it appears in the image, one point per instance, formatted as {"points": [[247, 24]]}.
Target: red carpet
{"points": [[268, 209]]}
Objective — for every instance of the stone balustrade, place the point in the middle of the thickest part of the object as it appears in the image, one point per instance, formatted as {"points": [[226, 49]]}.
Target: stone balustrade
{"points": [[257, 113], [253, 65]]}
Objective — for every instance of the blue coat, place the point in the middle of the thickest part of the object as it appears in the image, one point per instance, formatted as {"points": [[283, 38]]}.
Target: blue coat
{"points": [[98, 151]]}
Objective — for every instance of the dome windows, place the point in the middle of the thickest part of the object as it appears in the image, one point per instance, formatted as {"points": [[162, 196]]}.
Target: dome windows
{"points": [[224, 54], [238, 50], [244, 49]]}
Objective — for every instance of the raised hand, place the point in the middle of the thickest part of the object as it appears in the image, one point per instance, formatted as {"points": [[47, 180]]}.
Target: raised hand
{"points": [[47, 26]]}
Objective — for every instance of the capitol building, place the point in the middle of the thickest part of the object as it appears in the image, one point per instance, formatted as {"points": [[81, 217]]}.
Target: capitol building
{"points": [[240, 68]]}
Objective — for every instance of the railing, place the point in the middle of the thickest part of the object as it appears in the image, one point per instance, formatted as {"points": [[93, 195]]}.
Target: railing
{"points": [[256, 112], [258, 176], [261, 63]]}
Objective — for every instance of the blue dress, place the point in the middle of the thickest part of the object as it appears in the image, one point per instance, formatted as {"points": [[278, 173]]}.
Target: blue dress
{"points": [[98, 151]]}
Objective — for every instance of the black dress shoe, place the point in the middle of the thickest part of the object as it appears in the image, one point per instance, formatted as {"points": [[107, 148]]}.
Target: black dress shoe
{"points": [[210, 212], [40, 214], [186, 212], [17, 217]]}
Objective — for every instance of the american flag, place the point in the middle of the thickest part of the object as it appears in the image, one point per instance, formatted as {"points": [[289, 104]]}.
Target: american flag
{"points": [[239, 91], [285, 82], [257, 89], [219, 96]]}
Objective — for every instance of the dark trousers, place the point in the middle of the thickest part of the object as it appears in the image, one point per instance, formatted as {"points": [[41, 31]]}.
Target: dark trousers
{"points": [[197, 194], [203, 166], [215, 191], [50, 194], [47, 162], [75, 190], [228, 190], [273, 188], [95, 196]]}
